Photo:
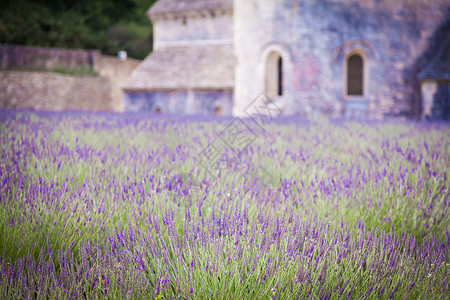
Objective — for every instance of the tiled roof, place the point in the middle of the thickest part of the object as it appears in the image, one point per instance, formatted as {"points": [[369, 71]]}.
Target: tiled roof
{"points": [[173, 6], [207, 67], [439, 67]]}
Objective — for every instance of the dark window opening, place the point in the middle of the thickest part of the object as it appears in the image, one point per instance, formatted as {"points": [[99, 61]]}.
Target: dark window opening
{"points": [[274, 76], [218, 111], [280, 76], [355, 75]]}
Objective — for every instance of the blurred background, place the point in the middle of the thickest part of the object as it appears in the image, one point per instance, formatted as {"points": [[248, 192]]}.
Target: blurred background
{"points": [[107, 25]]}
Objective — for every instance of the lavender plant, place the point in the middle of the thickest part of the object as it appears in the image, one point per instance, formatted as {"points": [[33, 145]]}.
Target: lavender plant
{"points": [[116, 206]]}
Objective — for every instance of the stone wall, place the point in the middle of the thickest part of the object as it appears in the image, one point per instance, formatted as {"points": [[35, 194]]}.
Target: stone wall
{"points": [[21, 57], [396, 39], [54, 91], [436, 99], [117, 71], [192, 102], [192, 27]]}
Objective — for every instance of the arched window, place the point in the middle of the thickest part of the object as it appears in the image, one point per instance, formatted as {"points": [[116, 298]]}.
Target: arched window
{"points": [[280, 76], [355, 75], [274, 75]]}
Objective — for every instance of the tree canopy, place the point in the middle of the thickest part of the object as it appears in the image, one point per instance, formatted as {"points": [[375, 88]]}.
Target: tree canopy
{"points": [[90, 24]]}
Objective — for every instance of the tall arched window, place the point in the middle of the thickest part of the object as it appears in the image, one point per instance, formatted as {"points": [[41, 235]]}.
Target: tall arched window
{"points": [[355, 75], [280, 76], [274, 75]]}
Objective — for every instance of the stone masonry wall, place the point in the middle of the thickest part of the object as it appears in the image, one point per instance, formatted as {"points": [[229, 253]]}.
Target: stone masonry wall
{"points": [[192, 28], [397, 39], [54, 91], [181, 103], [117, 71], [22, 57]]}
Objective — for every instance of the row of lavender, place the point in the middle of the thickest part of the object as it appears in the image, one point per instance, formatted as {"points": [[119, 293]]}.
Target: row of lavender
{"points": [[101, 205]]}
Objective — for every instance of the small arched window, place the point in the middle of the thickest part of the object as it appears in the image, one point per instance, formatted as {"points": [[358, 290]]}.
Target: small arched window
{"points": [[355, 75], [274, 75], [280, 76]]}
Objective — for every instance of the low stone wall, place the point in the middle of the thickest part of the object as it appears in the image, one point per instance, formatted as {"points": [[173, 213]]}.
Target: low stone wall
{"points": [[53, 91], [22, 57]]}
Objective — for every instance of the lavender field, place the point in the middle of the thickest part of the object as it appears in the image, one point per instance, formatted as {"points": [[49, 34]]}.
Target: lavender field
{"points": [[97, 205]]}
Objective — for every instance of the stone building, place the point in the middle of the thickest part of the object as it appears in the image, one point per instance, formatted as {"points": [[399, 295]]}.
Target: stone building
{"points": [[337, 57], [191, 69]]}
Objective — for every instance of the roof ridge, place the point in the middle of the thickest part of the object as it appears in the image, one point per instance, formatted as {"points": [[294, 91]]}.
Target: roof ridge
{"points": [[177, 6]]}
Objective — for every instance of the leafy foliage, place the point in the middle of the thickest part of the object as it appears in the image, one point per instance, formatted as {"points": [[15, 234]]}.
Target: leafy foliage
{"points": [[91, 24]]}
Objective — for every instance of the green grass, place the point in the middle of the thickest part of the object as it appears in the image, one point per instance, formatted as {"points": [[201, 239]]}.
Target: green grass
{"points": [[81, 71]]}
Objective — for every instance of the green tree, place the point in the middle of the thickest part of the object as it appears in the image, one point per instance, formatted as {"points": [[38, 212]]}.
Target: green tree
{"points": [[91, 24]]}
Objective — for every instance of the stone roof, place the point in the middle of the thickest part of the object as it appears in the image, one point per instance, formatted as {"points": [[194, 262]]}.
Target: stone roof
{"points": [[174, 6], [206, 67], [439, 67]]}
